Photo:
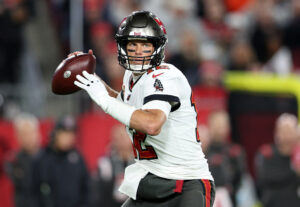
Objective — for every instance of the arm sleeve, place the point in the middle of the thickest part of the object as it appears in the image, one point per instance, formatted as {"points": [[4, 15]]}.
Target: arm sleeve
{"points": [[156, 104]]}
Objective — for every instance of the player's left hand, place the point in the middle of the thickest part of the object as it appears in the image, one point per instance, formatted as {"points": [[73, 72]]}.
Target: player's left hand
{"points": [[94, 87]]}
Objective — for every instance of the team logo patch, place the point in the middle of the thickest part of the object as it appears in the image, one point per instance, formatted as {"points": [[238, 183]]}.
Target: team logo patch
{"points": [[158, 85]]}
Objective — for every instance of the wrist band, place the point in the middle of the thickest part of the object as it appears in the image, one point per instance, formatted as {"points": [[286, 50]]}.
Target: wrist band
{"points": [[119, 110]]}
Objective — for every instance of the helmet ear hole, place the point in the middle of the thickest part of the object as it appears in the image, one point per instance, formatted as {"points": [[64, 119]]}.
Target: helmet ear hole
{"points": [[141, 25], [122, 44]]}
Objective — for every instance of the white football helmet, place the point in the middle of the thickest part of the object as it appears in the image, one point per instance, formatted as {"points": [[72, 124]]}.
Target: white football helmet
{"points": [[141, 25]]}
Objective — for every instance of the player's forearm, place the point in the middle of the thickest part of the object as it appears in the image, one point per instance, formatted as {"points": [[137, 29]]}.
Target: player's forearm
{"points": [[148, 121]]}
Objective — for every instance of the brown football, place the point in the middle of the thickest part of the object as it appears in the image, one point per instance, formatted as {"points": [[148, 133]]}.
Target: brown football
{"points": [[65, 74]]}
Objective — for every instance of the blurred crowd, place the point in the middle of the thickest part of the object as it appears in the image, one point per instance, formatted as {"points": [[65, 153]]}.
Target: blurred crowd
{"points": [[206, 39], [58, 172]]}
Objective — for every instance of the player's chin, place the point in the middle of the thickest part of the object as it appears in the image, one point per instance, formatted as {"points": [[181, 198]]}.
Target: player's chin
{"points": [[139, 62]]}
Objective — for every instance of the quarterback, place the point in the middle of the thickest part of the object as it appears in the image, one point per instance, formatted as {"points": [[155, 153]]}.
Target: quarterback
{"points": [[156, 105]]}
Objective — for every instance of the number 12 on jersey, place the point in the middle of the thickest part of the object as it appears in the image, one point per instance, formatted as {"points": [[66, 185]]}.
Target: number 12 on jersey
{"points": [[140, 150]]}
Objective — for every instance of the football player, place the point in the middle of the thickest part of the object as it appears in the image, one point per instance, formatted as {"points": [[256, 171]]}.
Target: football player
{"points": [[156, 106]]}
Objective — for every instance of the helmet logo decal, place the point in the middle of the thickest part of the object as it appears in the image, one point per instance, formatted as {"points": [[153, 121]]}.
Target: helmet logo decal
{"points": [[158, 85], [162, 26], [122, 22]]}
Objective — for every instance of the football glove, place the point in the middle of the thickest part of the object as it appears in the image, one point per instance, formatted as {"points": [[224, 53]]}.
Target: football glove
{"points": [[94, 87]]}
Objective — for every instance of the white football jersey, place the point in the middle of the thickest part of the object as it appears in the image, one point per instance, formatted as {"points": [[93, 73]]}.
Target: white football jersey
{"points": [[176, 152]]}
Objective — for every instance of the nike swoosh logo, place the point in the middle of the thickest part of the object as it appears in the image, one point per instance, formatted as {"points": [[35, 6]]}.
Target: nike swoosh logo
{"points": [[154, 76]]}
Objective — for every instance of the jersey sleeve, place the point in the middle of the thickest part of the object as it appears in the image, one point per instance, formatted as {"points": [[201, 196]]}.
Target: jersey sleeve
{"points": [[162, 105], [161, 86]]}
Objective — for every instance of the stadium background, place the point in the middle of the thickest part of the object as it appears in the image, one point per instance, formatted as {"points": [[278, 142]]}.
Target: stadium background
{"points": [[238, 55]]}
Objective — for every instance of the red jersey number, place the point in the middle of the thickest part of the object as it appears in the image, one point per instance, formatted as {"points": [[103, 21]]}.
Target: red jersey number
{"points": [[148, 152]]}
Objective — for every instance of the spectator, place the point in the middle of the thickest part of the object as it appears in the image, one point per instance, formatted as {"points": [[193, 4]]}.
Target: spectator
{"points": [[264, 24], [215, 25], [101, 37], [211, 74], [209, 95], [227, 160], [277, 182], [60, 16], [93, 10], [188, 58], [19, 168], [292, 35], [60, 174], [13, 16], [111, 169], [180, 19], [280, 59], [267, 41], [242, 57], [118, 9]]}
